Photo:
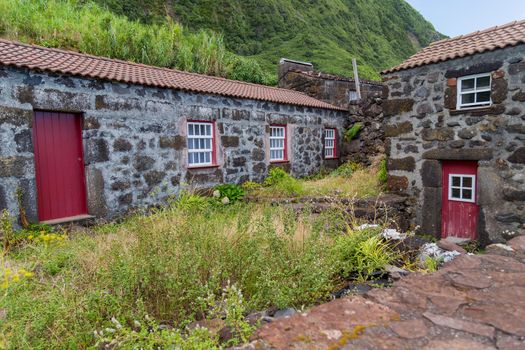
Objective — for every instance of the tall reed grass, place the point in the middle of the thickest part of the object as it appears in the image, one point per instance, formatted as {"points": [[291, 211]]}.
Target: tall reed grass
{"points": [[89, 28]]}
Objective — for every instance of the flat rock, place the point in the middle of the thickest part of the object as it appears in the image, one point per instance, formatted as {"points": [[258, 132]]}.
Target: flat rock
{"points": [[506, 342], [461, 325], [326, 324], [457, 344], [410, 329], [469, 280], [508, 318], [447, 244], [518, 243]]}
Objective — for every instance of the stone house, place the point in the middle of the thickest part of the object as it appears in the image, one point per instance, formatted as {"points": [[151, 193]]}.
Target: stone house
{"points": [[341, 91], [85, 136], [455, 128]]}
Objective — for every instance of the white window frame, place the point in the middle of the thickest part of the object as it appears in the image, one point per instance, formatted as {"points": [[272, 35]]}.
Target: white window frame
{"points": [[284, 140], [327, 147], [206, 136], [474, 91], [461, 188]]}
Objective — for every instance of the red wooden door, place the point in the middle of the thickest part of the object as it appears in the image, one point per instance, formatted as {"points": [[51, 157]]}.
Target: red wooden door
{"points": [[59, 165], [459, 211]]}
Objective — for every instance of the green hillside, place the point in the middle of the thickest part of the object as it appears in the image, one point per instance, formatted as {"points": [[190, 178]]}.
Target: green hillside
{"points": [[328, 33]]}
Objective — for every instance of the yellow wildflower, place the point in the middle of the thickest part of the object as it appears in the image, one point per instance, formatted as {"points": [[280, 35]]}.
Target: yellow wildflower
{"points": [[30, 237], [4, 285], [15, 278], [29, 274]]}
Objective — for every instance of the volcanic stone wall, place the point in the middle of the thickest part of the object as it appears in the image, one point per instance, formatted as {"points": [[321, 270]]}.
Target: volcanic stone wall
{"points": [[134, 139], [341, 92], [423, 127]]}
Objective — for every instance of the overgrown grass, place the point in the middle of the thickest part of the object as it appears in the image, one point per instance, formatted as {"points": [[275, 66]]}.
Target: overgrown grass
{"points": [[349, 180], [165, 264], [88, 28]]}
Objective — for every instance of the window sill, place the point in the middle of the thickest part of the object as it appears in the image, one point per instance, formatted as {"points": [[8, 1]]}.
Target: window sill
{"points": [[331, 158], [196, 167], [471, 109], [279, 161]]}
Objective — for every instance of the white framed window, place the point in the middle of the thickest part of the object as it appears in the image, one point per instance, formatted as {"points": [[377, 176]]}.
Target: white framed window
{"points": [[462, 188], [329, 143], [200, 143], [474, 91], [277, 143]]}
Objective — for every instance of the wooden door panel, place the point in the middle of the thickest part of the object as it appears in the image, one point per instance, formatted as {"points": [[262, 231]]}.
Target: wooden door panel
{"points": [[59, 165], [459, 210]]}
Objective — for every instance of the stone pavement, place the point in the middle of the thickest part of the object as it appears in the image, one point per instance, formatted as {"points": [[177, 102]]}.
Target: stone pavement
{"points": [[474, 302]]}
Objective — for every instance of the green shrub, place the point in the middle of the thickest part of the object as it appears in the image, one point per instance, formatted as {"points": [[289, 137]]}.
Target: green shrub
{"points": [[231, 191], [352, 132], [358, 254], [251, 186], [382, 173], [283, 183], [346, 169], [275, 175]]}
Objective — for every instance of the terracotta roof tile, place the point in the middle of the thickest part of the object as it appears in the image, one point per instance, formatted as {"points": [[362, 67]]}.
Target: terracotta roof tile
{"points": [[510, 34], [68, 62]]}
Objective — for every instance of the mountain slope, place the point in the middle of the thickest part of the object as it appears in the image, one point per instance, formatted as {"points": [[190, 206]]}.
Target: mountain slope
{"points": [[328, 33]]}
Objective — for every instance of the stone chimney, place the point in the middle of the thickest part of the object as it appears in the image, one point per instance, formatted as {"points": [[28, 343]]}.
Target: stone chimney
{"points": [[286, 65]]}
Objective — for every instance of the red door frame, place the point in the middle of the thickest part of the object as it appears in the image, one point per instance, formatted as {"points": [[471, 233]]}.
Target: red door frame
{"points": [[459, 215], [59, 165]]}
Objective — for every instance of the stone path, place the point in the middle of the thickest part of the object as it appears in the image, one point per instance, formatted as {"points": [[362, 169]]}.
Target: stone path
{"points": [[474, 302]]}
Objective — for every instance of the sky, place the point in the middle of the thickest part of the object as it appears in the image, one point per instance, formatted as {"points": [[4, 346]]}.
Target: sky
{"points": [[457, 17]]}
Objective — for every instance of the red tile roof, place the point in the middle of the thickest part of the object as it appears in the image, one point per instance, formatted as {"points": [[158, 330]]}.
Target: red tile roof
{"points": [[499, 37], [73, 63]]}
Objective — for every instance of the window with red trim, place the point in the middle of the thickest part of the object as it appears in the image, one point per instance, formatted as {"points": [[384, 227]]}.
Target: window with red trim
{"points": [[278, 151], [330, 144], [201, 144]]}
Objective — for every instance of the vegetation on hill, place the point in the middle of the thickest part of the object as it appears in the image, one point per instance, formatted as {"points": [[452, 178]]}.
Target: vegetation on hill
{"points": [[328, 33], [89, 28]]}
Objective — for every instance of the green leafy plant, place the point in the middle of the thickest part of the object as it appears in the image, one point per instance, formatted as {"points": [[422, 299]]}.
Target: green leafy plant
{"points": [[275, 175], [189, 201], [361, 253], [251, 186], [7, 232], [233, 192], [382, 173], [351, 133], [148, 334], [346, 169]]}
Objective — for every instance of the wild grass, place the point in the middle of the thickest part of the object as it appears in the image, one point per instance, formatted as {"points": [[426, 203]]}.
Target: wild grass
{"points": [[165, 264], [349, 181], [89, 28]]}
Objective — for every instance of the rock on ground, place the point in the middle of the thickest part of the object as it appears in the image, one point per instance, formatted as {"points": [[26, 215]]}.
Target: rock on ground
{"points": [[473, 302]]}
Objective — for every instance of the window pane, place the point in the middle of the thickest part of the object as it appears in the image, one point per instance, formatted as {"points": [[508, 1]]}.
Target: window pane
{"points": [[467, 194], [456, 193], [483, 82], [208, 155], [483, 96], [468, 98], [208, 130], [467, 182], [190, 129], [208, 143], [456, 181], [467, 84]]}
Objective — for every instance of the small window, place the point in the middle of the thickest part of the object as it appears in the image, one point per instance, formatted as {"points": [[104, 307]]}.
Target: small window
{"points": [[200, 144], [474, 91], [462, 188], [329, 143], [277, 143]]}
